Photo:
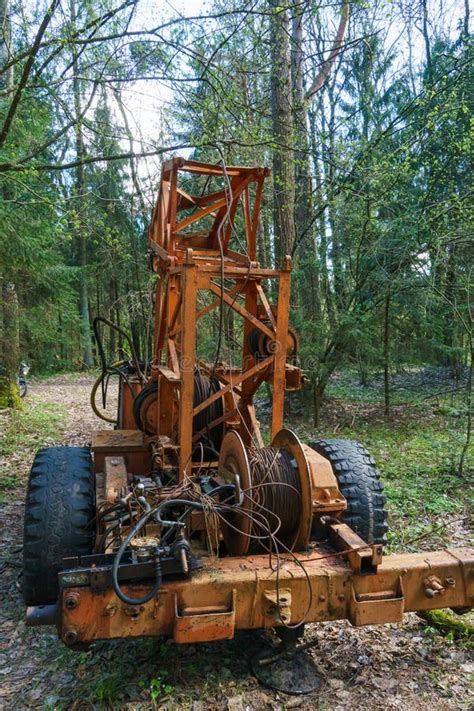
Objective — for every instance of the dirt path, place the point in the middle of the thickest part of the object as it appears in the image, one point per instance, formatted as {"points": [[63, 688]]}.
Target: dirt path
{"points": [[404, 666]]}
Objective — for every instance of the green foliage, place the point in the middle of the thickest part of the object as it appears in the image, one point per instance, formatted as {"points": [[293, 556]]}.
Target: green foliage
{"points": [[23, 431], [387, 147], [44, 216], [107, 690], [159, 687]]}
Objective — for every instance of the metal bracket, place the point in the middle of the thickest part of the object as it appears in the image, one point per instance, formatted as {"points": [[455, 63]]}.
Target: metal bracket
{"points": [[277, 605], [362, 558], [204, 624], [373, 608]]}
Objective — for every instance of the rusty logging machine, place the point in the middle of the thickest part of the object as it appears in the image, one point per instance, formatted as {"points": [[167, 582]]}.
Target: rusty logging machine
{"points": [[180, 521]]}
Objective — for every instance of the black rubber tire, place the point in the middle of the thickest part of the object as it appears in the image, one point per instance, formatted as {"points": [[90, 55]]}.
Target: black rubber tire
{"points": [[59, 510], [359, 482]]}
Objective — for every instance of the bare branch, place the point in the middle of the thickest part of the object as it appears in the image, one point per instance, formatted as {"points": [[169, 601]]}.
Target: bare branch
{"points": [[12, 167], [26, 72], [325, 70]]}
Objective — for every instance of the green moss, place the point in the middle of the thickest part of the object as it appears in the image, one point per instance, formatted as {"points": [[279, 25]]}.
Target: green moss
{"points": [[9, 394], [450, 623]]}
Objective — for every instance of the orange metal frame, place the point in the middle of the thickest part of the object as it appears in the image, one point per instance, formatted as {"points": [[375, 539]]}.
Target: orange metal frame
{"points": [[242, 593], [199, 261]]}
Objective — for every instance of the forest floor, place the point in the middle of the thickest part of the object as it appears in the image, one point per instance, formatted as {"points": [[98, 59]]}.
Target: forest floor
{"points": [[406, 666]]}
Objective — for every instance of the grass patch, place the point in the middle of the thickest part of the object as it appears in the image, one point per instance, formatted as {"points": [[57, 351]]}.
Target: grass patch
{"points": [[452, 626], [108, 690], [24, 431], [71, 375], [31, 427], [417, 452], [7, 482], [147, 671], [418, 463]]}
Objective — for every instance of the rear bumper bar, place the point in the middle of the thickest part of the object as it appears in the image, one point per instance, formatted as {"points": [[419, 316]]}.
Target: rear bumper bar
{"points": [[244, 593]]}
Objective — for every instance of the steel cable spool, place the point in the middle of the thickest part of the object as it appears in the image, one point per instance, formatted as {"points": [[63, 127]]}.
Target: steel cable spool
{"points": [[145, 409], [204, 387], [261, 345], [277, 493]]}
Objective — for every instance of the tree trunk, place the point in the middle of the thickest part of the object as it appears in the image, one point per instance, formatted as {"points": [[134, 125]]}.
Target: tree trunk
{"points": [[136, 249], [330, 180], [133, 319], [321, 244], [426, 38], [6, 79], [304, 230], [469, 406], [263, 243], [465, 27], [10, 362], [282, 128], [316, 404], [10, 328], [450, 323], [116, 311], [79, 190], [386, 356]]}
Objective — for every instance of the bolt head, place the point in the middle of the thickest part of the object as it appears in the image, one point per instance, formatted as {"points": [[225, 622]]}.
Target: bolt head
{"points": [[71, 603], [70, 636]]}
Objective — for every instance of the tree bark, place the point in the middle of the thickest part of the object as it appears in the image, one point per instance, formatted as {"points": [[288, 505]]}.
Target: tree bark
{"points": [[9, 393], [469, 405], [322, 244], [339, 280], [282, 126], [6, 78], [15, 101], [426, 37], [386, 356], [325, 70], [79, 190], [10, 328], [467, 15], [304, 229]]}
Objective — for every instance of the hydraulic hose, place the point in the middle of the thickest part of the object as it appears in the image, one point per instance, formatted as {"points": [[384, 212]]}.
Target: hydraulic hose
{"points": [[136, 363], [170, 503], [95, 409], [118, 557]]}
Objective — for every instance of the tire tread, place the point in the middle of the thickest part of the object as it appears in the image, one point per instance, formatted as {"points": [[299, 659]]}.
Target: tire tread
{"points": [[59, 510], [359, 482]]}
